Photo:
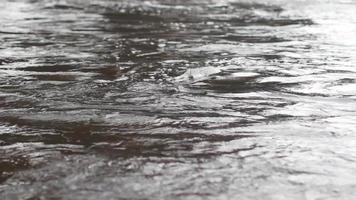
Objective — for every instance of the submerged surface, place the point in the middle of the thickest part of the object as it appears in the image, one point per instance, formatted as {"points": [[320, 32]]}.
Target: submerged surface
{"points": [[202, 99]]}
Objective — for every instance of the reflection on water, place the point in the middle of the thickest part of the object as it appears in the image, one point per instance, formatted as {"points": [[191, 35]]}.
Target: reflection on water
{"points": [[177, 99]]}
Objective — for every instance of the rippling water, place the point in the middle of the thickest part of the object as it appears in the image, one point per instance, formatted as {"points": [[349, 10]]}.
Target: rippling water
{"points": [[177, 99]]}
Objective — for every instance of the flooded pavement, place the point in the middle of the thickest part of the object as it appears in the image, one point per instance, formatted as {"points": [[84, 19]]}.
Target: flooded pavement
{"points": [[177, 99]]}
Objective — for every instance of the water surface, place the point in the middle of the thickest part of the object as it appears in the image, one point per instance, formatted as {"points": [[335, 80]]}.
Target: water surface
{"points": [[176, 99]]}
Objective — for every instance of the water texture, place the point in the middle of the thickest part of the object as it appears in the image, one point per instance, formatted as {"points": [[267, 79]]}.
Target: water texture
{"points": [[177, 99]]}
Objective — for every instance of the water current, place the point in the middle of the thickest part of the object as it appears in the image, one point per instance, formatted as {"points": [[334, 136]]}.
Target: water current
{"points": [[177, 99]]}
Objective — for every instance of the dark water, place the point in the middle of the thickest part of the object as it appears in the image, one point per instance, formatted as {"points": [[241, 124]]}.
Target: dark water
{"points": [[177, 99]]}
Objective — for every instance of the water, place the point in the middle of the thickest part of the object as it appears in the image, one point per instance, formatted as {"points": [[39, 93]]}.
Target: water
{"points": [[213, 99]]}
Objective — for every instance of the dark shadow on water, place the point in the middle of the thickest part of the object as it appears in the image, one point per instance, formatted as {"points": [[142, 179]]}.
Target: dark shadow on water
{"points": [[49, 68], [253, 39], [11, 164], [4, 61]]}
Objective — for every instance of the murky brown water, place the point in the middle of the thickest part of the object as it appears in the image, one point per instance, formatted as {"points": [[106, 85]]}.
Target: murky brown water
{"points": [[177, 99]]}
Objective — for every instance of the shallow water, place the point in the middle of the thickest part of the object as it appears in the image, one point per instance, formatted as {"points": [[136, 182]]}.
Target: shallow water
{"points": [[176, 99]]}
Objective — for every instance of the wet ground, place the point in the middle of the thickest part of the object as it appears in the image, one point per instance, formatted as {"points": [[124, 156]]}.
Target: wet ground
{"points": [[177, 99]]}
